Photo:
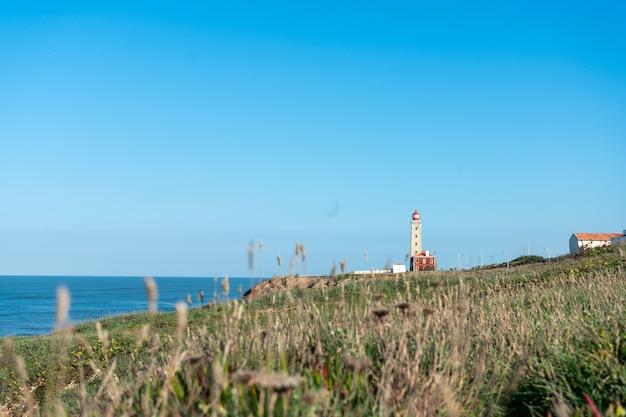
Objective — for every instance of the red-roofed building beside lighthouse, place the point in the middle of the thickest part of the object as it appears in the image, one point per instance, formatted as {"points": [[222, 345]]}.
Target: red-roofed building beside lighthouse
{"points": [[582, 241]]}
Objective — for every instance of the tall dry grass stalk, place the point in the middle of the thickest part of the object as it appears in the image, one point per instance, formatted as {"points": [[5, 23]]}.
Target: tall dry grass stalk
{"points": [[103, 335], [62, 307], [20, 368], [251, 257], [260, 258], [152, 293], [225, 286], [181, 319]]}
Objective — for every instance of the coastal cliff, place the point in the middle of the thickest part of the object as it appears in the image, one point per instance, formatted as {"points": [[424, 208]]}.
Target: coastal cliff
{"points": [[287, 282]]}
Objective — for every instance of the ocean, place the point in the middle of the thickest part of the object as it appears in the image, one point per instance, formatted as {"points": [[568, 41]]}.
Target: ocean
{"points": [[28, 303]]}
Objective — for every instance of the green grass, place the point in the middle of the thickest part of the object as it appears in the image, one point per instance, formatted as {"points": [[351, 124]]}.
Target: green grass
{"points": [[529, 340]]}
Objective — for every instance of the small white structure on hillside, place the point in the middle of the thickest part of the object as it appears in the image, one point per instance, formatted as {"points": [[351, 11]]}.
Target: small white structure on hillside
{"points": [[582, 241], [371, 271]]}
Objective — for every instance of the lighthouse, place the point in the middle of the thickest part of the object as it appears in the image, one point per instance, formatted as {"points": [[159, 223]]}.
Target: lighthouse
{"points": [[421, 260], [416, 234]]}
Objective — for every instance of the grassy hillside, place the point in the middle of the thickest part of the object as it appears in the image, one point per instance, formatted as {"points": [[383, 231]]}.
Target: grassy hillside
{"points": [[534, 339]]}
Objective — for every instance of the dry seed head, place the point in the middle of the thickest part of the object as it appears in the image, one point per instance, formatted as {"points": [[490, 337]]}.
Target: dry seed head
{"points": [[218, 376], [63, 306], [366, 257], [196, 360], [243, 376], [20, 368], [103, 335], [389, 263], [84, 343], [181, 315], [279, 260], [153, 294], [560, 407], [342, 264], [302, 252], [380, 312], [333, 271], [277, 382], [403, 306], [447, 394], [429, 312], [356, 365], [189, 301], [225, 286], [143, 335], [260, 246], [309, 398], [251, 256]]}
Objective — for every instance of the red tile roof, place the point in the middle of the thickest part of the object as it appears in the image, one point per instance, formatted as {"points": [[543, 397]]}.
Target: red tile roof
{"points": [[596, 236]]}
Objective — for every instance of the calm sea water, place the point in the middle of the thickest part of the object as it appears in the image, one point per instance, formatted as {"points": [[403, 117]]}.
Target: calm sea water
{"points": [[28, 303]]}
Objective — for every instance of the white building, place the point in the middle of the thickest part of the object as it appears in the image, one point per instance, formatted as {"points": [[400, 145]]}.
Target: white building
{"points": [[582, 241]]}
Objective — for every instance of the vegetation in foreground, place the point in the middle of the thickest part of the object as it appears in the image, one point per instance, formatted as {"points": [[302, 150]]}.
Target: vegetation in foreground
{"points": [[536, 339]]}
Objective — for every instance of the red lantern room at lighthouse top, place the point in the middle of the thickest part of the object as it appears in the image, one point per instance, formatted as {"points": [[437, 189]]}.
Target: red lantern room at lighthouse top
{"points": [[416, 215]]}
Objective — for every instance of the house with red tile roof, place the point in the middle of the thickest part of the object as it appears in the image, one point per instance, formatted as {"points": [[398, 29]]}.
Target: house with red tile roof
{"points": [[582, 241]]}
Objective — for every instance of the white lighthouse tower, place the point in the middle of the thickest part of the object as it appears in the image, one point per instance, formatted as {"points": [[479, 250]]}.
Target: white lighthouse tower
{"points": [[421, 260], [416, 235]]}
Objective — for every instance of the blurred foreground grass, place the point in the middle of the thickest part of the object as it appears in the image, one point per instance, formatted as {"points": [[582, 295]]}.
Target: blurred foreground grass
{"points": [[537, 339]]}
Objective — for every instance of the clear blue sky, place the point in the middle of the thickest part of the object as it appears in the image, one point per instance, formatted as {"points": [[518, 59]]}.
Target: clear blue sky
{"points": [[161, 138]]}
